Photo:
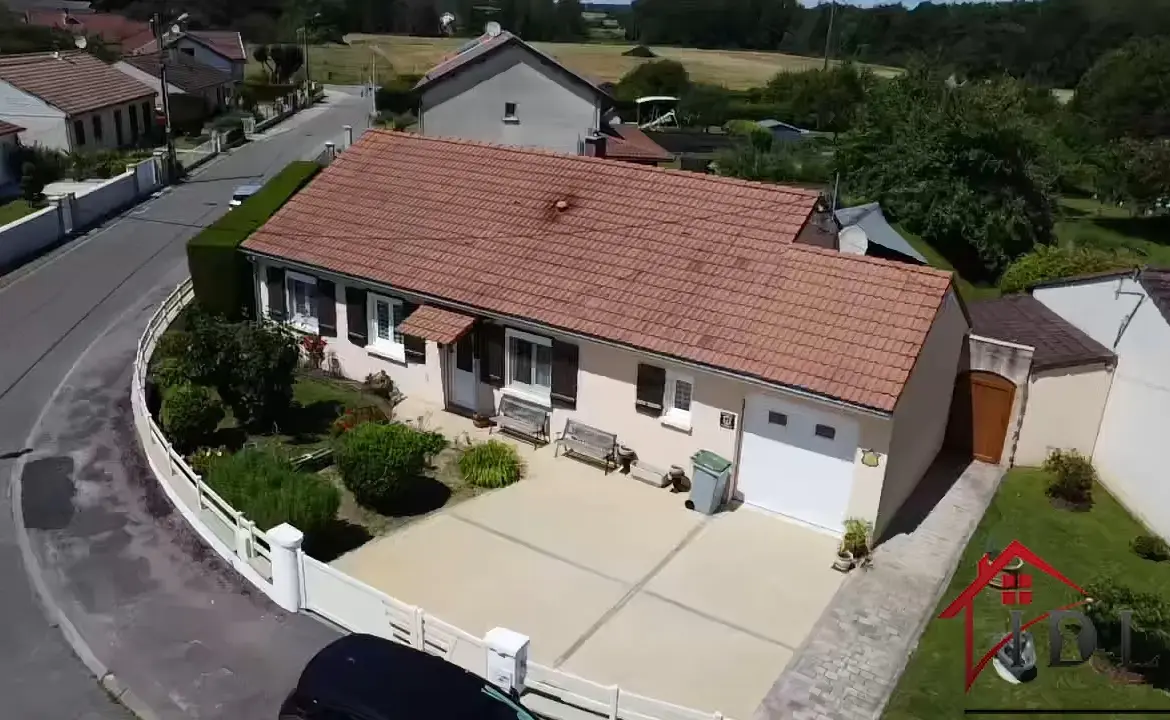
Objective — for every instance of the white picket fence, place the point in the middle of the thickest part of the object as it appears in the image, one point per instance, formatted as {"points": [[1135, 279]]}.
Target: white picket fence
{"points": [[298, 582]]}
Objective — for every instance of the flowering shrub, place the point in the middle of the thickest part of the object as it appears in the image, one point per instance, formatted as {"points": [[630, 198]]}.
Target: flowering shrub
{"points": [[379, 384], [314, 347], [353, 417], [203, 458]]}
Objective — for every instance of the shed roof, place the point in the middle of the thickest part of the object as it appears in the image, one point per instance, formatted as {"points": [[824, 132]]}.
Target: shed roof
{"points": [[1025, 320], [869, 217]]}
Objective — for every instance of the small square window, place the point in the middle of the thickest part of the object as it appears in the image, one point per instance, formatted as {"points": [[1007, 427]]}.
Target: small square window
{"points": [[826, 432], [777, 418], [510, 112]]}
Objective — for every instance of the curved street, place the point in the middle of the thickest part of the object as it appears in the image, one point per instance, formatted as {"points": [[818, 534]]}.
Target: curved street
{"points": [[154, 607]]}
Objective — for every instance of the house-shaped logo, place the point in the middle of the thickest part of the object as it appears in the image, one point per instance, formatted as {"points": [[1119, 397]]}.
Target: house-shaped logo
{"points": [[1015, 588]]}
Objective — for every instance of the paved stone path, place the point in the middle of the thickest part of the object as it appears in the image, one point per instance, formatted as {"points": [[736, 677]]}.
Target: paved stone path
{"points": [[852, 659]]}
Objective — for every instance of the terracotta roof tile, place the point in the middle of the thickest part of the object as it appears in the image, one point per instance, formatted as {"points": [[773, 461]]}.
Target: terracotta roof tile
{"points": [[696, 267], [75, 82], [7, 128], [1025, 320], [111, 28], [183, 71], [226, 43], [627, 142], [435, 323]]}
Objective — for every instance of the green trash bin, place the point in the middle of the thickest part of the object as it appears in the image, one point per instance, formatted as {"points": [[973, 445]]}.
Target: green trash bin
{"points": [[709, 476]]}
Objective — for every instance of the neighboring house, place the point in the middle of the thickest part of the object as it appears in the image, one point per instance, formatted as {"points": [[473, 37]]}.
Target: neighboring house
{"points": [[671, 308], [783, 131], [1129, 313], [500, 89], [112, 30], [9, 139], [1063, 396], [196, 90], [865, 231], [73, 101], [220, 49]]}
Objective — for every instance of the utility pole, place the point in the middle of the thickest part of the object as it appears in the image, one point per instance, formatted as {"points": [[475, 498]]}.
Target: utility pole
{"points": [[159, 33], [829, 33], [373, 86]]}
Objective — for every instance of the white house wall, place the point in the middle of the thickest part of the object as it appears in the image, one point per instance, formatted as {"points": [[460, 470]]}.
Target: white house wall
{"points": [[606, 394], [1129, 450], [553, 111], [920, 417], [1063, 411], [44, 124], [206, 56]]}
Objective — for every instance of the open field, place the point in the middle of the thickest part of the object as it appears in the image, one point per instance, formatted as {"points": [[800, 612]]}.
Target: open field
{"points": [[737, 69]]}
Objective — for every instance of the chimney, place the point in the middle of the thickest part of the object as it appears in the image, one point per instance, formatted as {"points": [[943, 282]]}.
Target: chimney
{"points": [[595, 145]]}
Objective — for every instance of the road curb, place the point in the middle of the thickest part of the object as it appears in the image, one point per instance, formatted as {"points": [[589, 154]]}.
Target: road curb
{"points": [[119, 692]]}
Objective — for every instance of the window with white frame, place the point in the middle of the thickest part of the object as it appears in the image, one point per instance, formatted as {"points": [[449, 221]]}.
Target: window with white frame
{"points": [[385, 315], [529, 368], [302, 300], [677, 403]]}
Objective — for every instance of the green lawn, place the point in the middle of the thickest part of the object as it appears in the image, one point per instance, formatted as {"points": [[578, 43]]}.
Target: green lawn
{"points": [[15, 210], [1108, 227], [1084, 546]]}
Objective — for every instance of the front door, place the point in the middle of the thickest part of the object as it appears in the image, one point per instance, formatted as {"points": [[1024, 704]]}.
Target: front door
{"points": [[990, 399], [464, 382]]}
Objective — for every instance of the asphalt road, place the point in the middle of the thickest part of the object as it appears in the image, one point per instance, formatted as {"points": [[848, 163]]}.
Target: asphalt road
{"points": [[88, 295]]}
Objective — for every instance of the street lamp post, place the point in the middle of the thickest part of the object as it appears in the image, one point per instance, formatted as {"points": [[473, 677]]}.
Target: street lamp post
{"points": [[160, 40]]}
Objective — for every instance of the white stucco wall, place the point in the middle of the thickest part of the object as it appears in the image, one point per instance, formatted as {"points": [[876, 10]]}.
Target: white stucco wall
{"points": [[606, 393], [206, 56], [920, 417], [1128, 452], [43, 123], [1063, 411], [553, 111]]}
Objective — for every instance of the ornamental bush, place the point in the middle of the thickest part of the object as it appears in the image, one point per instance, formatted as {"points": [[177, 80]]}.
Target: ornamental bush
{"points": [[264, 486], [382, 464], [1151, 547], [257, 377], [492, 464], [1149, 622], [1053, 262], [1072, 477], [190, 414], [353, 417]]}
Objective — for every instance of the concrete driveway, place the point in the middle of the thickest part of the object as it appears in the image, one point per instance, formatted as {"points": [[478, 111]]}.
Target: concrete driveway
{"points": [[617, 582]]}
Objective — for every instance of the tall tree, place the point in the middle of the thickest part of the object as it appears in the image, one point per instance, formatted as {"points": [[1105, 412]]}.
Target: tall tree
{"points": [[1127, 92]]}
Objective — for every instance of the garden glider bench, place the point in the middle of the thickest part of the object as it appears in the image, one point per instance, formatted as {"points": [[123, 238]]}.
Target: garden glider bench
{"points": [[525, 419], [588, 443]]}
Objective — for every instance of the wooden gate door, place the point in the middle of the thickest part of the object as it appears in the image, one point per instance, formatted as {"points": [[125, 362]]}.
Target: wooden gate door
{"points": [[991, 411]]}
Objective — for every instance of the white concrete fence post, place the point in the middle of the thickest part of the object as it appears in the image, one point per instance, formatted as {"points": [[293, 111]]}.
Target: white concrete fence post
{"points": [[243, 538], [507, 659], [331, 149], [348, 135], [284, 540]]}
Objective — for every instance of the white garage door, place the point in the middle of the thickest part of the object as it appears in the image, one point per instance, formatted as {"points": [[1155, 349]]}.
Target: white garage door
{"points": [[797, 461]]}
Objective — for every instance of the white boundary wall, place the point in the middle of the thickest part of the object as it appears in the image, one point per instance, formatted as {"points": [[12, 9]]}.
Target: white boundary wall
{"points": [[275, 564]]}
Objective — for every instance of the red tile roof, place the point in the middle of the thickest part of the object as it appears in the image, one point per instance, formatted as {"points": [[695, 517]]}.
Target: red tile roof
{"points": [[435, 323], [112, 29], [7, 128], [227, 43], [691, 266], [76, 82], [627, 142]]}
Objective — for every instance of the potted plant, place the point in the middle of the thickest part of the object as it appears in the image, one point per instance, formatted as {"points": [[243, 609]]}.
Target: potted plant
{"points": [[844, 561], [855, 543]]}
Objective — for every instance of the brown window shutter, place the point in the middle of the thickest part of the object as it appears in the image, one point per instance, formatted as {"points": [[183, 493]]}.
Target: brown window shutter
{"points": [[565, 362], [491, 354], [355, 316], [276, 309], [651, 388], [416, 347], [326, 308]]}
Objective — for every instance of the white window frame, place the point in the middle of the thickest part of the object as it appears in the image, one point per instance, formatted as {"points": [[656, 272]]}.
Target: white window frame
{"points": [[307, 323], [389, 349], [514, 118], [672, 416], [528, 391]]}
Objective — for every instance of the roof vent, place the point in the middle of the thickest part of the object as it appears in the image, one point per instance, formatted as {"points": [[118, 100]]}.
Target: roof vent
{"points": [[562, 205]]}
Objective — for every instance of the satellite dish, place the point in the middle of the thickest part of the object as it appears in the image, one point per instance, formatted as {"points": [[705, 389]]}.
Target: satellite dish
{"points": [[447, 18], [80, 42], [492, 29], [56, 55], [175, 29]]}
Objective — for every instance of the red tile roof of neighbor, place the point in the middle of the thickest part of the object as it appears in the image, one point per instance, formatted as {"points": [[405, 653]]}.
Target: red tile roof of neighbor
{"points": [[76, 82], [111, 28], [227, 43], [691, 266], [183, 71], [7, 128], [627, 142]]}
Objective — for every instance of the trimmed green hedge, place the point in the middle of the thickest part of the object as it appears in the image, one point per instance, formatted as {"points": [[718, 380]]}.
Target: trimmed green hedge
{"points": [[220, 274]]}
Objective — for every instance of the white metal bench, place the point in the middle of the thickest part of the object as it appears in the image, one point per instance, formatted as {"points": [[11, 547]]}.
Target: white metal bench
{"points": [[525, 419], [588, 443]]}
